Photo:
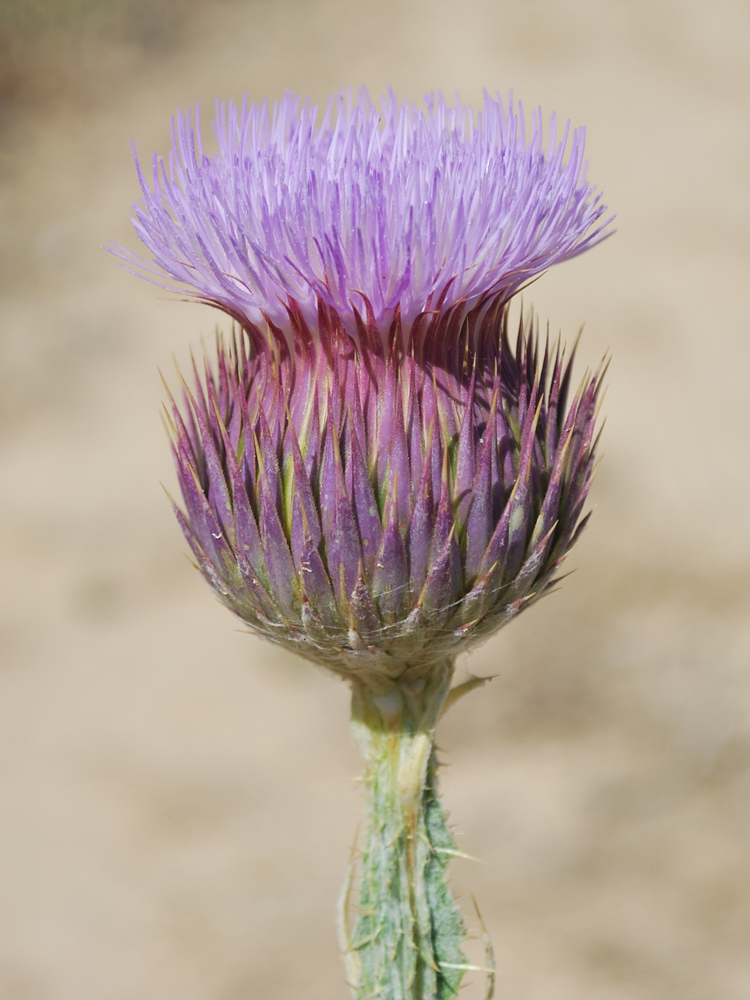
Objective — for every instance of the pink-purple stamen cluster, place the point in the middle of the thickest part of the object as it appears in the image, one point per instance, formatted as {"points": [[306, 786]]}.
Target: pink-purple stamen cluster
{"points": [[397, 206]]}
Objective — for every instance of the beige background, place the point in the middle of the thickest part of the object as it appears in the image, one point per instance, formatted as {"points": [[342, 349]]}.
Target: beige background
{"points": [[177, 799]]}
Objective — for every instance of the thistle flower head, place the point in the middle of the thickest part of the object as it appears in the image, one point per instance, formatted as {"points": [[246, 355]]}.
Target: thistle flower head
{"points": [[374, 471]]}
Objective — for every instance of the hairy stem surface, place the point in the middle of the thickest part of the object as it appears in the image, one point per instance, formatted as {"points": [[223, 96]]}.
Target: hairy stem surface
{"points": [[407, 941]]}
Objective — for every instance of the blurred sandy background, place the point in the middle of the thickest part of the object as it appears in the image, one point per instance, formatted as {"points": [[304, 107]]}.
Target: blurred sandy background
{"points": [[177, 800]]}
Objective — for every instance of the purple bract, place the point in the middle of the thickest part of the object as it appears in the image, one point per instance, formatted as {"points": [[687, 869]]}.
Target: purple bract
{"points": [[373, 509]]}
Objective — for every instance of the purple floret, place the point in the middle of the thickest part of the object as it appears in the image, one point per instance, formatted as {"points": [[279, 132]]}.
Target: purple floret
{"points": [[363, 208]]}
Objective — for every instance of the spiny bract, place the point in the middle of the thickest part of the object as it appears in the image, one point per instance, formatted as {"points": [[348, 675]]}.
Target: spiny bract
{"points": [[375, 509]]}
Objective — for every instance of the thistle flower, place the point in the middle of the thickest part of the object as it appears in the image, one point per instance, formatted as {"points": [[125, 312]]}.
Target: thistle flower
{"points": [[374, 472]]}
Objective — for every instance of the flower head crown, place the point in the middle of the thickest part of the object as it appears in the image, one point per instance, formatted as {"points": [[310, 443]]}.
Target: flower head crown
{"points": [[388, 208]]}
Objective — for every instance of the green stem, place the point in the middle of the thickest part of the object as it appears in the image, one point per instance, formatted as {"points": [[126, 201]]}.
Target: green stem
{"points": [[407, 941]]}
